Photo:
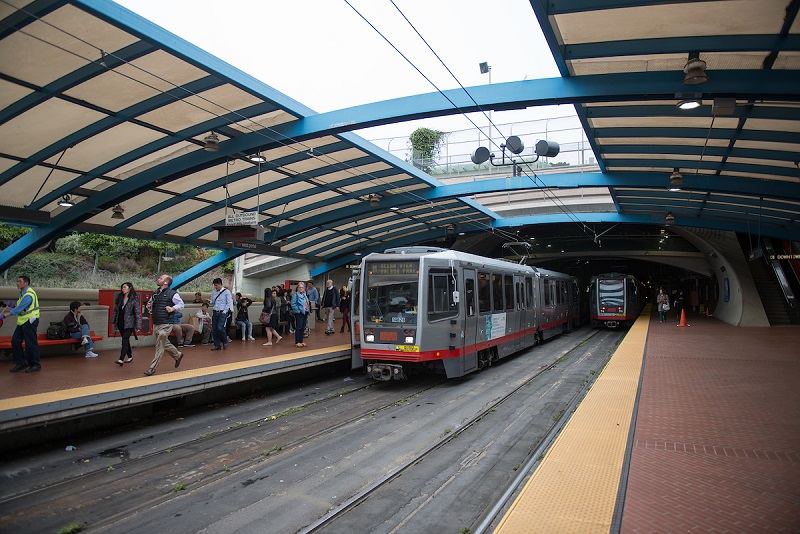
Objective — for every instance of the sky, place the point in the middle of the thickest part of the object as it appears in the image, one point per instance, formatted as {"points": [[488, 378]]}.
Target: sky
{"points": [[323, 54]]}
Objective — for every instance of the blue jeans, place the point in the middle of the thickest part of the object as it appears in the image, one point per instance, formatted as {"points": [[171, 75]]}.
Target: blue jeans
{"points": [[218, 319], [247, 328], [84, 332], [27, 332], [300, 320]]}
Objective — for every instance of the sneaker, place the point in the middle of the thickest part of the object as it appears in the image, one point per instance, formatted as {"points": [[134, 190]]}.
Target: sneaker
{"points": [[84, 340], [128, 360], [251, 338], [180, 345], [299, 345], [178, 359], [244, 339], [150, 372], [188, 345], [33, 369], [18, 368], [90, 354]]}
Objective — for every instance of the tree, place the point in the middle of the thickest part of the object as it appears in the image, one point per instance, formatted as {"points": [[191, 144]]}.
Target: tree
{"points": [[426, 145], [107, 245], [9, 234]]}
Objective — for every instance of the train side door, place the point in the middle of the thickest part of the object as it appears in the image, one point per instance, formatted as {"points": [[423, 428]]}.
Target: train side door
{"points": [[519, 296], [471, 316], [355, 320]]}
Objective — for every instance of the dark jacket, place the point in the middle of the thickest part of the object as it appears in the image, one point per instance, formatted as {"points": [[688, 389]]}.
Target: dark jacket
{"points": [[131, 314], [330, 298], [72, 323], [242, 306], [159, 312]]}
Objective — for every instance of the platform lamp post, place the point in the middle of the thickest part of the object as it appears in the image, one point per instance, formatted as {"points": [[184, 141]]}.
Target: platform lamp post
{"points": [[515, 146], [487, 69]]}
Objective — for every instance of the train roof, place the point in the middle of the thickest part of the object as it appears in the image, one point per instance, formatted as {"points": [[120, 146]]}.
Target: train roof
{"points": [[447, 254]]}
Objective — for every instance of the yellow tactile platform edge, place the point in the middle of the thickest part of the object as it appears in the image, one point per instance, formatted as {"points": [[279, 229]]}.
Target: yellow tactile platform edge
{"points": [[574, 489], [107, 387]]}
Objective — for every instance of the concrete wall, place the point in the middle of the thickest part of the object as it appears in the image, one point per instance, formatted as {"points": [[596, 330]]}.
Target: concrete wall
{"points": [[728, 262]]}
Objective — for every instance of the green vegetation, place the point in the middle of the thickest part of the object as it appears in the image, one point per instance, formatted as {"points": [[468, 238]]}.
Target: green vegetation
{"points": [[98, 261], [70, 529], [425, 145]]}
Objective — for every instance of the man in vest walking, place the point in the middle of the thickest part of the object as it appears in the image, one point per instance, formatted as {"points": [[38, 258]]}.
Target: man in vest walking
{"points": [[163, 305], [27, 312]]}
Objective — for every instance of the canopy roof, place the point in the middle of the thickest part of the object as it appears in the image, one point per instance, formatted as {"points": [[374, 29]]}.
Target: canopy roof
{"points": [[103, 106]]}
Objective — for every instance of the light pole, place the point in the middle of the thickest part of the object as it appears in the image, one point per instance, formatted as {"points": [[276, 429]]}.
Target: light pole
{"points": [[487, 69], [515, 147]]}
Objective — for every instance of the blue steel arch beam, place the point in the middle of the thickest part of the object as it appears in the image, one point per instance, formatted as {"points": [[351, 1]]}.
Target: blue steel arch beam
{"points": [[104, 199], [205, 266], [543, 92], [690, 150], [649, 217]]}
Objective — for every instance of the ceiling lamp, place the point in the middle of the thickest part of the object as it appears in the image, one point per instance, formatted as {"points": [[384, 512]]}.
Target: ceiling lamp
{"points": [[693, 103], [211, 143], [695, 70], [118, 212], [66, 202], [669, 219], [358, 252], [257, 158], [675, 180], [374, 200]]}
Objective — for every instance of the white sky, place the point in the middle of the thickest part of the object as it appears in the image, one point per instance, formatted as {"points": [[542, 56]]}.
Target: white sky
{"points": [[324, 55]]}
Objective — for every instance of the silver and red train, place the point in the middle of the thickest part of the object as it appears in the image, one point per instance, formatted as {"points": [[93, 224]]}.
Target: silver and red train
{"points": [[615, 300], [438, 310]]}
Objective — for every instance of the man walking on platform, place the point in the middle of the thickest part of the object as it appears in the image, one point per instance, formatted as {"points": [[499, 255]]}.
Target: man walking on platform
{"points": [[163, 305], [27, 312], [330, 303], [222, 304]]}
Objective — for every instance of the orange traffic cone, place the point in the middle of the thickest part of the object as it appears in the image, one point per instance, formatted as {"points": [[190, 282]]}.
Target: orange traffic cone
{"points": [[683, 319]]}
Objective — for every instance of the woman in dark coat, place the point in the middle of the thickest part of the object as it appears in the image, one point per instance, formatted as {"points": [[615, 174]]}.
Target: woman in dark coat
{"points": [[127, 317], [271, 307]]}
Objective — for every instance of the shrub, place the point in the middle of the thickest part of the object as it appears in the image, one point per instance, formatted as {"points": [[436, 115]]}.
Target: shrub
{"points": [[48, 266]]}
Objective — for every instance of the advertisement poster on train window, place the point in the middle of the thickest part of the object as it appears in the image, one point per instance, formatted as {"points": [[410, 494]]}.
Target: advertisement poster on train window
{"points": [[495, 325]]}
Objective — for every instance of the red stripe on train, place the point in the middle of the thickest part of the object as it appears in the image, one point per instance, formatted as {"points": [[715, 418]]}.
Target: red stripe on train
{"points": [[431, 355]]}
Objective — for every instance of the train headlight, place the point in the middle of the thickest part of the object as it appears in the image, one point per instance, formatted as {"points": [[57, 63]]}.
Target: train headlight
{"points": [[410, 340], [370, 338]]}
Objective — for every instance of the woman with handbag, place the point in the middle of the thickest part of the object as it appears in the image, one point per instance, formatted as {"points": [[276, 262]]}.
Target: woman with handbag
{"points": [[663, 305], [127, 317], [269, 318]]}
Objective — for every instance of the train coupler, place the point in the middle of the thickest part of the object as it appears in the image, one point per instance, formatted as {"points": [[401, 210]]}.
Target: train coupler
{"points": [[386, 371]]}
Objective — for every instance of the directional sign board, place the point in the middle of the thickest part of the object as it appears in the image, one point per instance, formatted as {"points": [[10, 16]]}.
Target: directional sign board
{"points": [[261, 248], [245, 218]]}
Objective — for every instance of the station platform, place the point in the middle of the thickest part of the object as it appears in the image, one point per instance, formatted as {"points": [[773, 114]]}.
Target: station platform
{"points": [[688, 429], [72, 386]]}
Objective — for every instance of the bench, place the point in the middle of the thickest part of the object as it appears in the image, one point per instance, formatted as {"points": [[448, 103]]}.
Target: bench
{"points": [[5, 341]]}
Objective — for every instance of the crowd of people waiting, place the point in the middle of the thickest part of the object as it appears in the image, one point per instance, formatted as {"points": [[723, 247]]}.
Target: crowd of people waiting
{"points": [[284, 312]]}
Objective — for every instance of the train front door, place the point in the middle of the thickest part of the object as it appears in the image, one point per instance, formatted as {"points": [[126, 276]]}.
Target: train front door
{"points": [[355, 320], [470, 318]]}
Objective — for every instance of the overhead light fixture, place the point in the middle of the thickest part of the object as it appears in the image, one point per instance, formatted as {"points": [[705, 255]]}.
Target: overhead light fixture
{"points": [[118, 212], [394, 208], [211, 143], [695, 70], [66, 202], [669, 219], [675, 180], [374, 200], [358, 252], [692, 103], [257, 158]]}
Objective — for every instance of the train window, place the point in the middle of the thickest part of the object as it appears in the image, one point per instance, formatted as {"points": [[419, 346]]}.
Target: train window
{"points": [[520, 298], [497, 292], [470, 291], [484, 293], [508, 291], [529, 292], [391, 295], [547, 300], [441, 285]]}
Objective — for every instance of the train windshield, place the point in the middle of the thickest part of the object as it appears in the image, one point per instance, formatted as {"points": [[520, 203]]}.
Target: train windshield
{"points": [[611, 292], [392, 291]]}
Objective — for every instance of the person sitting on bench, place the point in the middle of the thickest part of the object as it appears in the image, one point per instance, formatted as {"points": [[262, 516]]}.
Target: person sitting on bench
{"points": [[183, 332], [78, 328]]}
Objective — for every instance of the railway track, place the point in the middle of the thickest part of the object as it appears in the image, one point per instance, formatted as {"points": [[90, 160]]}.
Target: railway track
{"points": [[130, 494], [332, 522]]}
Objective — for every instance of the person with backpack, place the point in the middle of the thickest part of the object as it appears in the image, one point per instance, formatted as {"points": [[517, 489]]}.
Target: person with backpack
{"points": [[78, 328], [27, 312]]}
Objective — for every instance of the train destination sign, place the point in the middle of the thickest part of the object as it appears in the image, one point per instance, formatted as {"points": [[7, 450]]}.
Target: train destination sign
{"points": [[394, 267]]}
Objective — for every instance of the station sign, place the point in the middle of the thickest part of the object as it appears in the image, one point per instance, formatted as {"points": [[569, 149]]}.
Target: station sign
{"points": [[261, 248], [245, 218]]}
